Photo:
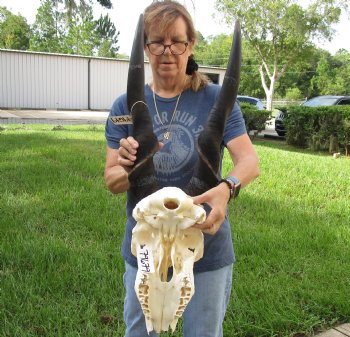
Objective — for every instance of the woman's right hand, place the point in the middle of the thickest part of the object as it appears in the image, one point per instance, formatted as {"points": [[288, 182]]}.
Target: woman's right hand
{"points": [[127, 152]]}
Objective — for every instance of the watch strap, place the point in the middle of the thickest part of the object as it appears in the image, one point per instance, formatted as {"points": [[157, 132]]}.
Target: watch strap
{"points": [[229, 185], [236, 187]]}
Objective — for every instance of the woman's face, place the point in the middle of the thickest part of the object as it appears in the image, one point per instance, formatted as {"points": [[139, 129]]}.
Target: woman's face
{"points": [[168, 65]]}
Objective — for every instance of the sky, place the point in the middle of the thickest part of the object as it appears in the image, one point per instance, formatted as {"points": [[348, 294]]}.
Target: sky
{"points": [[126, 12]]}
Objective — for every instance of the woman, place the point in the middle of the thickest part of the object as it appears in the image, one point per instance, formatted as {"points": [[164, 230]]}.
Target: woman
{"points": [[179, 100]]}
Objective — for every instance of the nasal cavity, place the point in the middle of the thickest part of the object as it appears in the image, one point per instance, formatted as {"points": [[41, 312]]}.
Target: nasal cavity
{"points": [[171, 204]]}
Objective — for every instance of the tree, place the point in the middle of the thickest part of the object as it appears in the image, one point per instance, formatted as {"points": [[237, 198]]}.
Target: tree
{"points": [[67, 27], [215, 52], [81, 38], [299, 75], [342, 75], [14, 31], [105, 3], [324, 73], [108, 36], [48, 28], [250, 82], [332, 75], [72, 6], [280, 31], [200, 48]]}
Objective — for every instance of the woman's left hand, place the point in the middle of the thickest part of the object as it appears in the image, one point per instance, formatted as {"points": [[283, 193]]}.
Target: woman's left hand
{"points": [[217, 199]]}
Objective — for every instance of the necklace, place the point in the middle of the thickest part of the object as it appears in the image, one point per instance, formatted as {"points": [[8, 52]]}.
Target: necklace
{"points": [[167, 133]]}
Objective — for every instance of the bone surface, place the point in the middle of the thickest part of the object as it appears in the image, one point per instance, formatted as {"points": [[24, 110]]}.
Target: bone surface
{"points": [[164, 237]]}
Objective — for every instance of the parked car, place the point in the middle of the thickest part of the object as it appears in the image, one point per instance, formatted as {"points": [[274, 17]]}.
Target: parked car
{"points": [[312, 102], [251, 100]]}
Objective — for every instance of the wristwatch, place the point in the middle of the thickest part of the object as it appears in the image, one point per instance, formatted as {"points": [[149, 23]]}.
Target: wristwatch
{"points": [[235, 187], [233, 184]]}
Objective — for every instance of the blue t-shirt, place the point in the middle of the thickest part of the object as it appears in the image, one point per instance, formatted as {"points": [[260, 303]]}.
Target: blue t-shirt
{"points": [[175, 162]]}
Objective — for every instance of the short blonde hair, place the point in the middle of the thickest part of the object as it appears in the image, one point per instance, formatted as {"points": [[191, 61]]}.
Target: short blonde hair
{"points": [[163, 14]]}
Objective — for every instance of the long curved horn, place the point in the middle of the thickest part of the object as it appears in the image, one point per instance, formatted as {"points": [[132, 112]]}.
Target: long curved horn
{"points": [[142, 176], [209, 141]]}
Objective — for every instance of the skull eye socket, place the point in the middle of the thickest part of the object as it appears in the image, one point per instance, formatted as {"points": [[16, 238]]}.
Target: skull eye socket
{"points": [[171, 204]]}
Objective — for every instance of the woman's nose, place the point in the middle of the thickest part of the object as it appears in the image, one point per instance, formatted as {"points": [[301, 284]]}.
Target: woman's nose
{"points": [[167, 50]]}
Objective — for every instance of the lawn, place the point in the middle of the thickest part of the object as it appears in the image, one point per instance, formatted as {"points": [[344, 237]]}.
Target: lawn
{"points": [[61, 231]]}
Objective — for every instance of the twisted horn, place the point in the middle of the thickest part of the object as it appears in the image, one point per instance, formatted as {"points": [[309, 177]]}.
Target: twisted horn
{"points": [[142, 176], [209, 140]]}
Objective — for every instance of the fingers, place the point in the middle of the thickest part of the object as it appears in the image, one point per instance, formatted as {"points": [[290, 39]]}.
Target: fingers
{"points": [[127, 151], [215, 217], [199, 199], [208, 228], [212, 224], [129, 144]]}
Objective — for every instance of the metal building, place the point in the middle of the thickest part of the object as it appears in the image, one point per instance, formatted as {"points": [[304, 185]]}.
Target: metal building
{"points": [[32, 80]]}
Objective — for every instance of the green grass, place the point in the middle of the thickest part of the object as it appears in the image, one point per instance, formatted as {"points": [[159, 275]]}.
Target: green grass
{"points": [[61, 231]]}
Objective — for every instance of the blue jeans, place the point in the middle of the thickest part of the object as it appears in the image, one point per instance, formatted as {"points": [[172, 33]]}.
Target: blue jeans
{"points": [[204, 315]]}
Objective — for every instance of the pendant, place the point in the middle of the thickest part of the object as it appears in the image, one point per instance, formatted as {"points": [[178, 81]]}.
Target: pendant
{"points": [[166, 135]]}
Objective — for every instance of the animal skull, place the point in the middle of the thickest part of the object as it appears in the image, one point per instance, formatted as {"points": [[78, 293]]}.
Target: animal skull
{"points": [[163, 237]]}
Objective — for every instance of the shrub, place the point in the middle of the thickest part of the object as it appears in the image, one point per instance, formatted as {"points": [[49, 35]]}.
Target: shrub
{"points": [[293, 94], [254, 118], [325, 128]]}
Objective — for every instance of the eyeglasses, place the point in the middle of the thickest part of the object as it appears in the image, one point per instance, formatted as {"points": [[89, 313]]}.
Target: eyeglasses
{"points": [[158, 48]]}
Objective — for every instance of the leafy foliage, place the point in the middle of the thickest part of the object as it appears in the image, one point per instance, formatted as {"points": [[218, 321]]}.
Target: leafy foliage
{"points": [[81, 38], [108, 35], [320, 128], [215, 51], [332, 74], [70, 28], [48, 28], [14, 31], [254, 118], [280, 31], [105, 3]]}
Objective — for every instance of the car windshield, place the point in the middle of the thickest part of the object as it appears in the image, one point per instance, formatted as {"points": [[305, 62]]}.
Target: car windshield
{"points": [[320, 101], [247, 100], [251, 100]]}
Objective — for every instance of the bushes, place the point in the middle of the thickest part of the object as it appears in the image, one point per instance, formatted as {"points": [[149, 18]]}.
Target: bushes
{"points": [[254, 118], [320, 128]]}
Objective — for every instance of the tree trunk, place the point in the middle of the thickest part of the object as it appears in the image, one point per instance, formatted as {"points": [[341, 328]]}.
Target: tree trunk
{"points": [[269, 91]]}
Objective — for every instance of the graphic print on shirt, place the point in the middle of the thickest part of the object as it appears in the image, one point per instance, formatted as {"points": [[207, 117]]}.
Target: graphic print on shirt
{"points": [[174, 162]]}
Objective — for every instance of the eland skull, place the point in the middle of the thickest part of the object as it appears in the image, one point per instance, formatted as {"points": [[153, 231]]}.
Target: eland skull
{"points": [[163, 238]]}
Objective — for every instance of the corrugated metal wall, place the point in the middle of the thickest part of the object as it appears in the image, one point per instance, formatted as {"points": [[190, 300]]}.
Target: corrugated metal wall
{"points": [[108, 81], [51, 81], [43, 81]]}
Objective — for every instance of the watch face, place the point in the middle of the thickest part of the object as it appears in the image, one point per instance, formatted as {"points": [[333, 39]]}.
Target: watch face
{"points": [[232, 193], [236, 190]]}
